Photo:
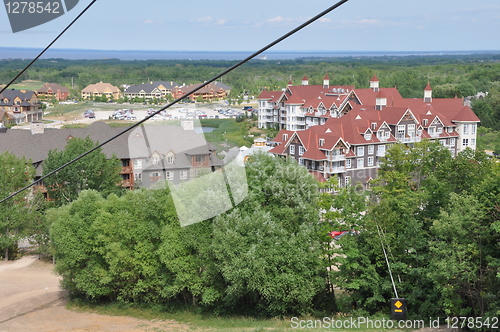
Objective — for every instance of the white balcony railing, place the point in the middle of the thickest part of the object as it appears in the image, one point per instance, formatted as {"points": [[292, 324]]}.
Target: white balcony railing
{"points": [[411, 139], [336, 169], [336, 157]]}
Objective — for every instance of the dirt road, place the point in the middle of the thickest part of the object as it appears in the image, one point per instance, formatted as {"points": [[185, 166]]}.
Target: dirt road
{"points": [[31, 300]]}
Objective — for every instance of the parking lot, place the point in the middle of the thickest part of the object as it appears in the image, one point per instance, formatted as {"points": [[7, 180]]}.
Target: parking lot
{"points": [[176, 112]]}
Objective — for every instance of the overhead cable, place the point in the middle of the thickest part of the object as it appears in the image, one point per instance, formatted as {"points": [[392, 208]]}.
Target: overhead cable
{"points": [[265, 48]]}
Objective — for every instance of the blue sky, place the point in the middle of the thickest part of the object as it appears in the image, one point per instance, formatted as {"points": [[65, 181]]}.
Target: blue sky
{"points": [[221, 25]]}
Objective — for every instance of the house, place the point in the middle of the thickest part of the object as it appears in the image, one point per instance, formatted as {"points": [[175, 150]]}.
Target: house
{"points": [[148, 154], [159, 90], [350, 145], [53, 90], [213, 91], [101, 89], [20, 106], [169, 153]]}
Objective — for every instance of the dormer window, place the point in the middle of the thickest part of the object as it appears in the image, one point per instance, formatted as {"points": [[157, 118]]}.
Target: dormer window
{"points": [[285, 137], [321, 142], [374, 125], [170, 159], [368, 136], [425, 122]]}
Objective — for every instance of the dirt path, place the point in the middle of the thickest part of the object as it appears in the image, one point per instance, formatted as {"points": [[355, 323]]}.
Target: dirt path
{"points": [[31, 300]]}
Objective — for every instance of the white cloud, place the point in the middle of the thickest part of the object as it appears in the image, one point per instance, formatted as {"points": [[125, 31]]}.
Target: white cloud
{"points": [[206, 19], [276, 19], [148, 22]]}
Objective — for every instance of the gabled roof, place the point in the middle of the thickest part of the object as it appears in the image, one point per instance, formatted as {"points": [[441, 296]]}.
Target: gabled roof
{"points": [[53, 87], [100, 88]]}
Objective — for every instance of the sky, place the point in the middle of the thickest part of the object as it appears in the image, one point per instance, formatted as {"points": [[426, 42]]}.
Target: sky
{"points": [[221, 25]]}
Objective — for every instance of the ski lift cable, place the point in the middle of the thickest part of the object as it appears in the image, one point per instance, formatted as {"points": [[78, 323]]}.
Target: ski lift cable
{"points": [[265, 48], [387, 261], [48, 46]]}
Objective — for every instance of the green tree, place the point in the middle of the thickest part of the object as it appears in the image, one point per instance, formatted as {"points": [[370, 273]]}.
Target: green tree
{"points": [[107, 249], [15, 173], [458, 263], [93, 171]]}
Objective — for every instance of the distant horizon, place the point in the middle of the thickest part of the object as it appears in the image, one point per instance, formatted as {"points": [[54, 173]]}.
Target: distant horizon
{"points": [[97, 54]]}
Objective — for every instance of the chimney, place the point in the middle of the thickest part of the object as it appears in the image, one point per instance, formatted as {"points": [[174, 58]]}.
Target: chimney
{"points": [[428, 93], [380, 101], [326, 82], [374, 83], [37, 128], [305, 80]]}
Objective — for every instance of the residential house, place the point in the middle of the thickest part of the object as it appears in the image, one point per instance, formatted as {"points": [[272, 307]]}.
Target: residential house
{"points": [[21, 106], [158, 90], [53, 90], [213, 91], [100, 89], [350, 146], [148, 154]]}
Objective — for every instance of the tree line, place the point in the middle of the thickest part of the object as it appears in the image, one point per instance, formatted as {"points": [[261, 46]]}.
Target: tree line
{"points": [[436, 216]]}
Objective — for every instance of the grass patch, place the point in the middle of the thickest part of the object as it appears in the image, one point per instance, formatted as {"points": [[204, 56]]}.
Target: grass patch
{"points": [[206, 322]]}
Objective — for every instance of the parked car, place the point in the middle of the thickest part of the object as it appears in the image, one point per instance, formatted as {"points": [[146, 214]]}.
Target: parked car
{"points": [[89, 114]]}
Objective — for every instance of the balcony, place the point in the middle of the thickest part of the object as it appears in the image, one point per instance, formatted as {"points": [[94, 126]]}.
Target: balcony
{"points": [[333, 170], [411, 139], [336, 157]]}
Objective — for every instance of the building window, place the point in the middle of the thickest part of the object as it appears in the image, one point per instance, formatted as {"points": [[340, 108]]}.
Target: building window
{"points": [[292, 149], [466, 129], [347, 180], [301, 150], [401, 131], [200, 159], [368, 136], [374, 125], [301, 161], [137, 163], [313, 165], [321, 142], [170, 159], [184, 175], [425, 122], [473, 142], [361, 162], [360, 151], [465, 142], [155, 160], [381, 149], [170, 175], [138, 176], [473, 128], [154, 176], [442, 141], [370, 161], [452, 141], [285, 137], [371, 149], [348, 163]]}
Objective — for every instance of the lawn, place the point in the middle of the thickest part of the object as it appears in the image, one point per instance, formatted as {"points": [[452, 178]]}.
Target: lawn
{"points": [[207, 322]]}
